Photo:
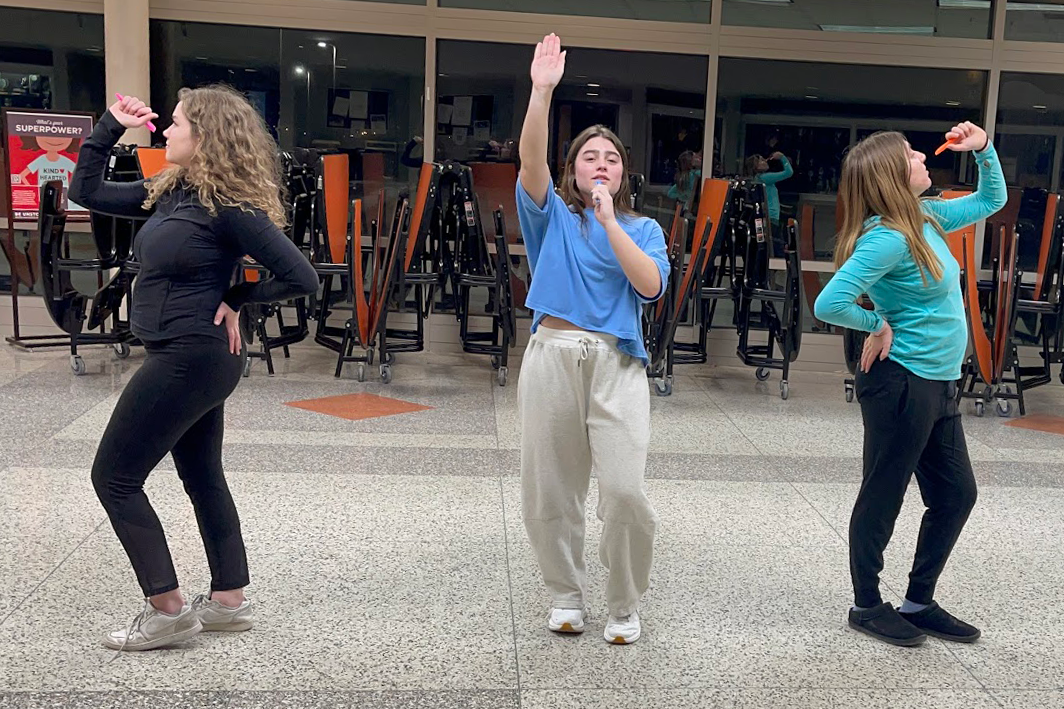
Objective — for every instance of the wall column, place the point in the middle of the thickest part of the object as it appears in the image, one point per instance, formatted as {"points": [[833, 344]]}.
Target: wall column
{"points": [[125, 30]]}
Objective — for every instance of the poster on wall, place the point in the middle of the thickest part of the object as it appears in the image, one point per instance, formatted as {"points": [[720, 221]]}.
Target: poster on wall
{"points": [[41, 146], [358, 110]]}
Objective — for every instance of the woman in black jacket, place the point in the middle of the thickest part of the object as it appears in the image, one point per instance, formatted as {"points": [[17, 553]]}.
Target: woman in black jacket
{"points": [[220, 201]]}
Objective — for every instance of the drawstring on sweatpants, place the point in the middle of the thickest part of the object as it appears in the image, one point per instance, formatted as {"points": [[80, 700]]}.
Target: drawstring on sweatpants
{"points": [[585, 350]]}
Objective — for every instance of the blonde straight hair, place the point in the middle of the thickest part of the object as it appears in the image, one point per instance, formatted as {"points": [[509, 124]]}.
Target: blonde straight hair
{"points": [[875, 182]]}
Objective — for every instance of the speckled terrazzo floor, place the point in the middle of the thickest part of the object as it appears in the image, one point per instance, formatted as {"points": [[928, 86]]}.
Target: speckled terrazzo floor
{"points": [[390, 567]]}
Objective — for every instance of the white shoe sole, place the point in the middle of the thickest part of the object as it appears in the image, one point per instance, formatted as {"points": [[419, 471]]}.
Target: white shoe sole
{"points": [[621, 640], [237, 627], [157, 643], [568, 628]]}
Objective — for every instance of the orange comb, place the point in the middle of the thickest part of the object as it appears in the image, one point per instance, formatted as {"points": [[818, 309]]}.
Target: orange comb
{"points": [[942, 148]]}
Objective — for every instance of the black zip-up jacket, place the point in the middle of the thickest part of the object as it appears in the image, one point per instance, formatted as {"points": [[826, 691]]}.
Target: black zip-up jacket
{"points": [[188, 257]]}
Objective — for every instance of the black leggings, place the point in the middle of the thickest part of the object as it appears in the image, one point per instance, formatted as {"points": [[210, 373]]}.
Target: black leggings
{"points": [[911, 425], [173, 404]]}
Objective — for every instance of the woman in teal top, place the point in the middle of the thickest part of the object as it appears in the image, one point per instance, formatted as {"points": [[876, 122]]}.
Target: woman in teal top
{"points": [[892, 246], [584, 401], [688, 177], [757, 167]]}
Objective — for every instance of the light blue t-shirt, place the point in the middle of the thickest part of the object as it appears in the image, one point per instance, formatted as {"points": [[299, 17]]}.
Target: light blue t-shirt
{"points": [[576, 275], [929, 323]]}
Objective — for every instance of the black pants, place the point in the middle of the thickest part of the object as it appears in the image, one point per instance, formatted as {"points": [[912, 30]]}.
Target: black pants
{"points": [[911, 425], [173, 404]]}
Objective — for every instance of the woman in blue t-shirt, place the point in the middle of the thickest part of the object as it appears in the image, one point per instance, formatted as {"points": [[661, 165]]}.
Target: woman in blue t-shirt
{"points": [[892, 246], [583, 395]]}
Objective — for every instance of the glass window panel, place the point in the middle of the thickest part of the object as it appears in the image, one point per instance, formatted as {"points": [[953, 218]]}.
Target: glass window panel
{"points": [[941, 18], [813, 112], [50, 61], [659, 10], [1030, 124], [1030, 138], [1041, 21], [299, 80], [654, 102], [191, 54]]}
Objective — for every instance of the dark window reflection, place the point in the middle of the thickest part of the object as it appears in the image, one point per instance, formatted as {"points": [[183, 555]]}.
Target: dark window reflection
{"points": [[659, 10], [1041, 21], [339, 92], [1030, 138], [195, 54], [654, 102], [774, 117], [51, 60], [926, 18]]}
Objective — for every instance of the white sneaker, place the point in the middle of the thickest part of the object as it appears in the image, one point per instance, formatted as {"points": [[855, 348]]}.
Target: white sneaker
{"points": [[153, 629], [213, 616], [566, 620], [624, 630]]}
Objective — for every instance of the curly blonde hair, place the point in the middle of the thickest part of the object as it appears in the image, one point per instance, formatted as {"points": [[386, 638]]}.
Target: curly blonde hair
{"points": [[235, 162]]}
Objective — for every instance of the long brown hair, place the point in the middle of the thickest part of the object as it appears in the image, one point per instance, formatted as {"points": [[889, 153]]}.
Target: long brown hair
{"points": [[684, 164], [750, 166], [875, 182], [235, 162], [570, 193]]}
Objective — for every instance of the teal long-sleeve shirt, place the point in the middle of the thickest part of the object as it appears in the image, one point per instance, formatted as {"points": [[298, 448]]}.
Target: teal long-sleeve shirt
{"points": [[929, 323], [772, 194]]}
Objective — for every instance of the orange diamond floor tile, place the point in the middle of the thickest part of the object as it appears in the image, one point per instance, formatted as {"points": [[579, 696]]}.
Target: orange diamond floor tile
{"points": [[1040, 422], [356, 407]]}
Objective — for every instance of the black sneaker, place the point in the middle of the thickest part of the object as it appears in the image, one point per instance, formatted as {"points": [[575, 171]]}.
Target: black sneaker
{"points": [[884, 623], [935, 621]]}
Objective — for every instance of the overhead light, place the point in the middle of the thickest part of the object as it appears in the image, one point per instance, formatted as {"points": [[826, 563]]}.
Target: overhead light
{"points": [[878, 29], [964, 4], [323, 45], [300, 70], [766, 2], [953, 103], [810, 96], [341, 66], [594, 86], [1038, 107], [591, 94], [250, 71], [441, 74], [202, 59]]}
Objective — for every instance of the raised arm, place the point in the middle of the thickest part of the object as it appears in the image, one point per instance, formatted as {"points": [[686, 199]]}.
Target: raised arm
{"points": [[87, 186], [548, 66], [771, 178], [991, 193]]}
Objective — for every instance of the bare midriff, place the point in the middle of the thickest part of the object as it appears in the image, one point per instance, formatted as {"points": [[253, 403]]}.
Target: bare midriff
{"points": [[557, 323]]}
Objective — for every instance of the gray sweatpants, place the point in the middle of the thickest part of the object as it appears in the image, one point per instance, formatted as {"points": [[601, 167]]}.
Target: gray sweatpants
{"points": [[584, 405]]}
